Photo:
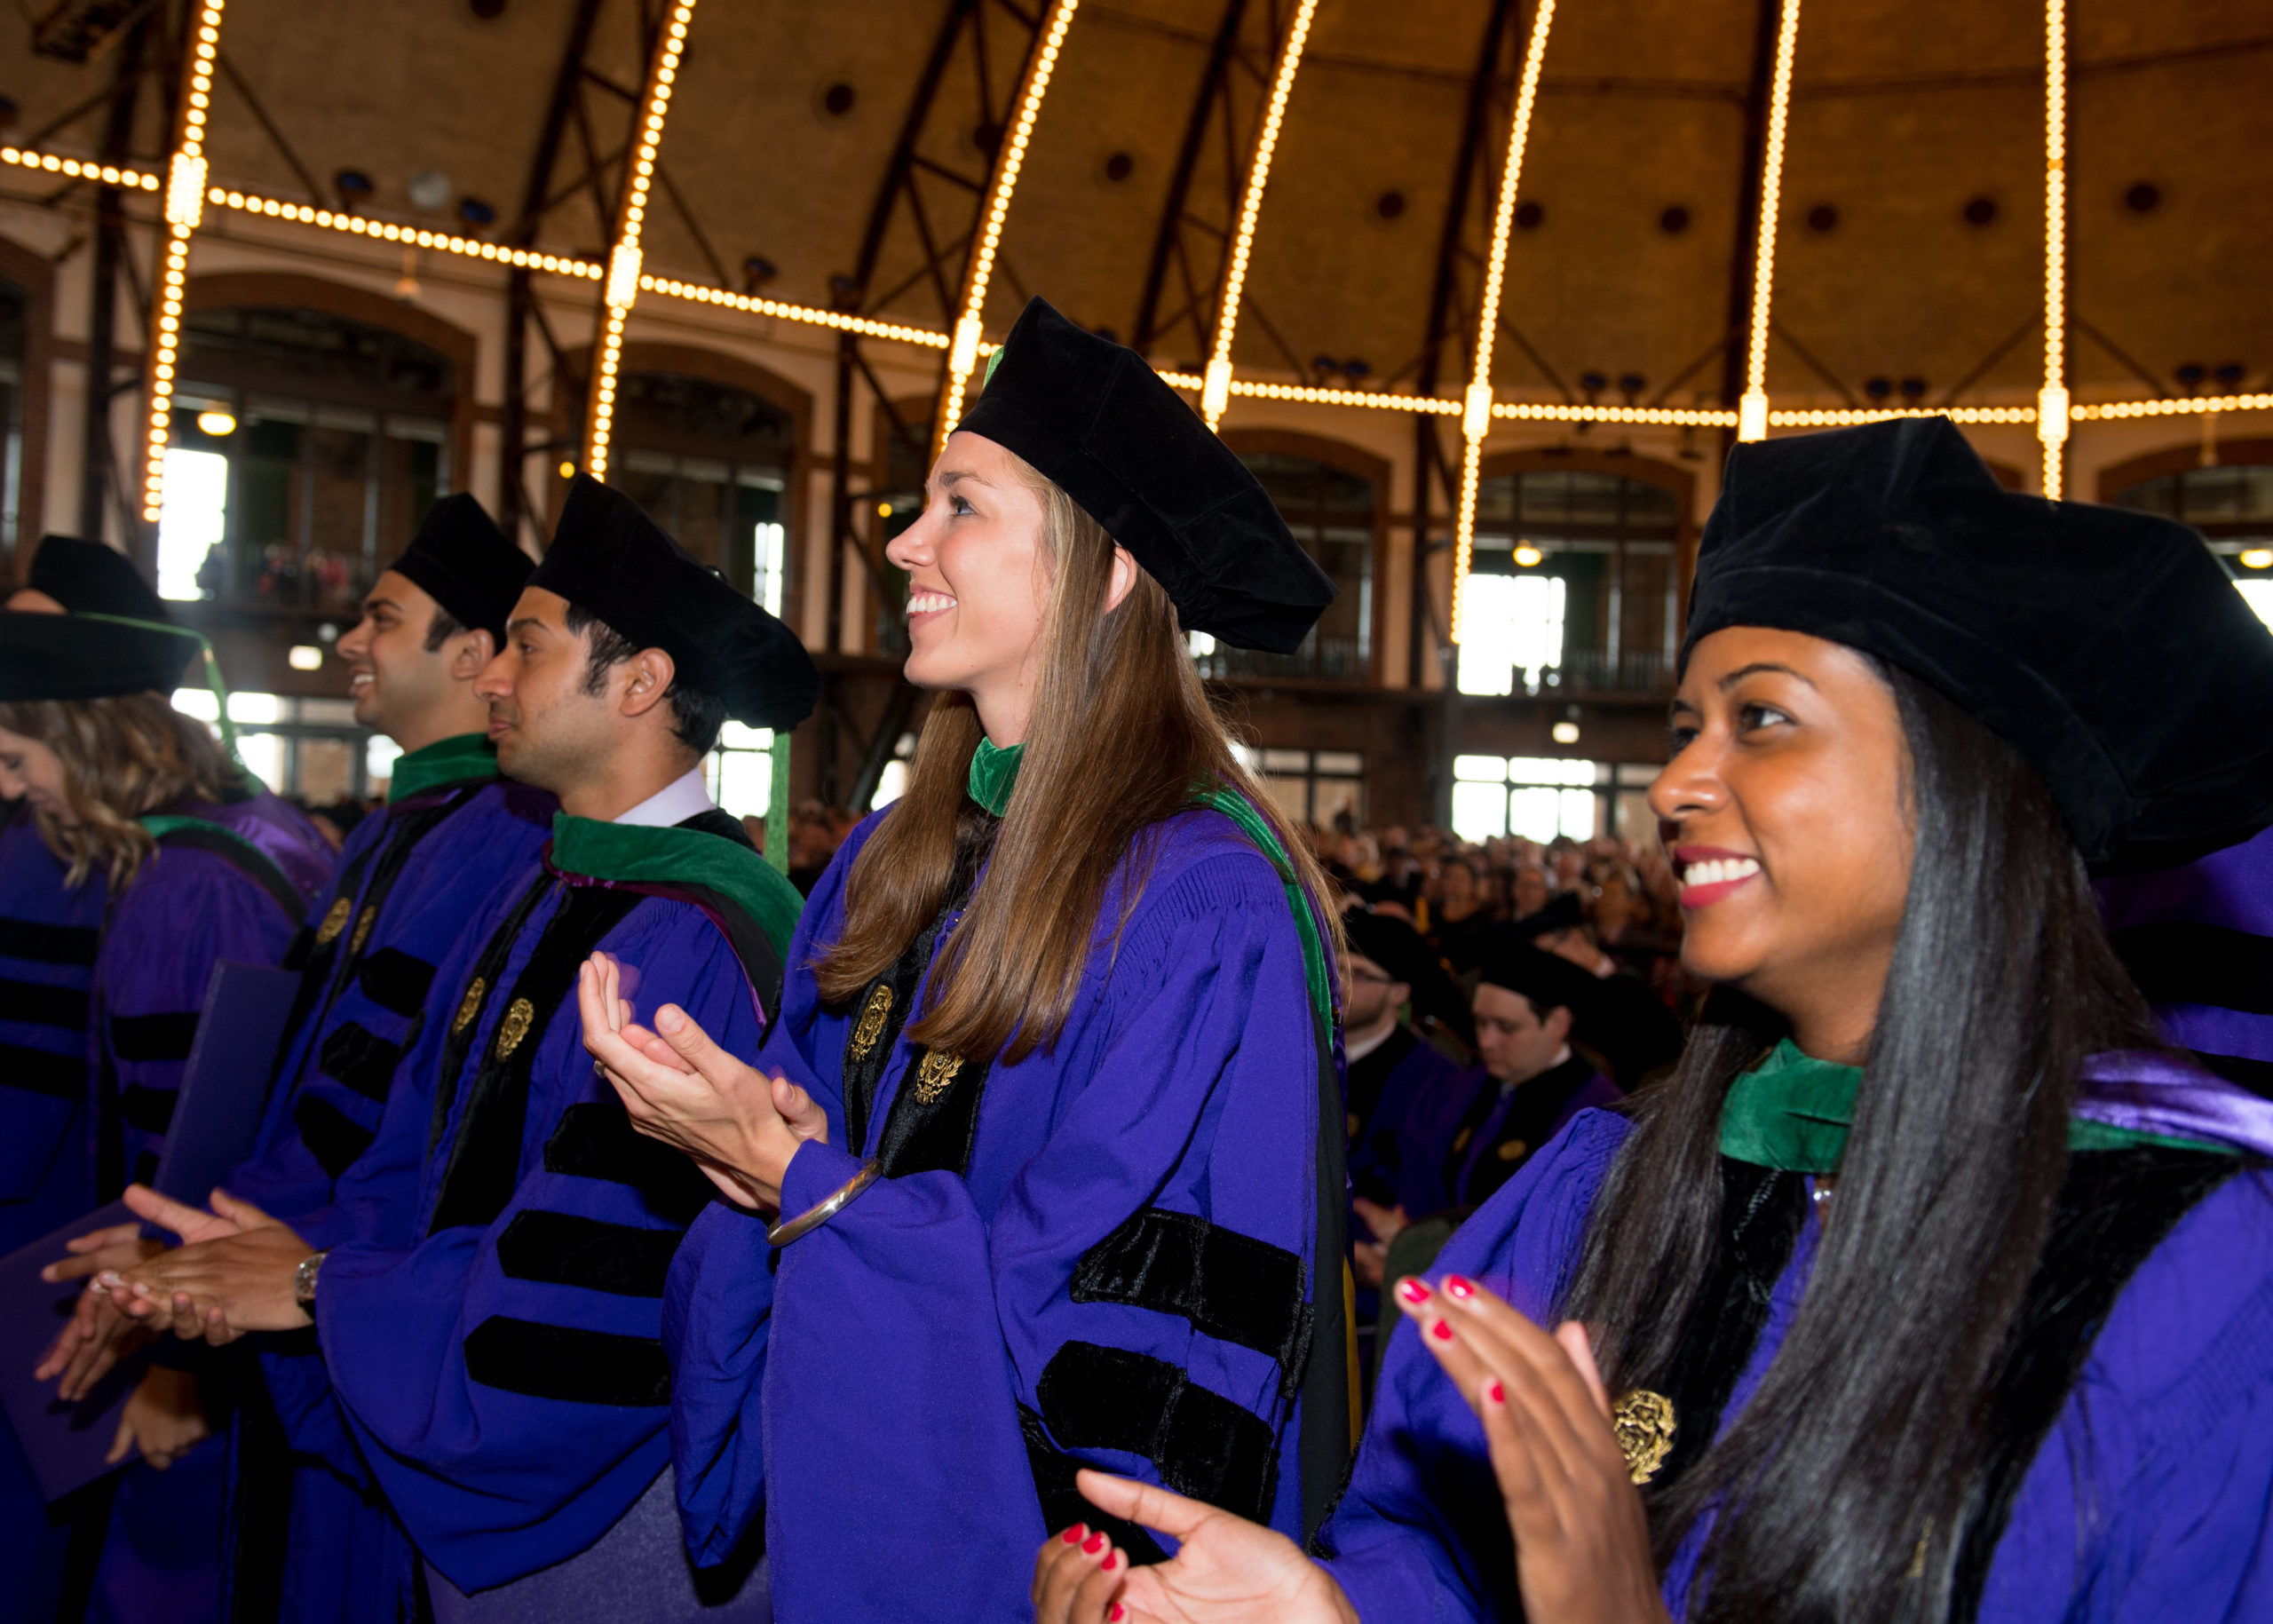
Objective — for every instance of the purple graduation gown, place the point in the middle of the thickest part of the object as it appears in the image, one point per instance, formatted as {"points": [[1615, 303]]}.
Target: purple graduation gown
{"points": [[185, 910], [1120, 1277], [489, 1315], [412, 880], [48, 935], [1440, 1171], [2148, 1502]]}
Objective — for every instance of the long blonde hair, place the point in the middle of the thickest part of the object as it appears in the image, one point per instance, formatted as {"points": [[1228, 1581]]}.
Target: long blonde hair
{"points": [[121, 759], [1122, 733]]}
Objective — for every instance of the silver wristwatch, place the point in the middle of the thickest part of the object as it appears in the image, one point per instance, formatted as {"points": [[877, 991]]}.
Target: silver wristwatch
{"points": [[304, 1280]]}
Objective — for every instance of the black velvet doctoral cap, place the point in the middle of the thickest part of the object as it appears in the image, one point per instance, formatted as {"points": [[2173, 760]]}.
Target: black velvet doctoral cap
{"points": [[611, 560], [72, 656], [1091, 417], [1548, 981], [1562, 913], [2108, 648], [462, 560], [1390, 943], [89, 578]]}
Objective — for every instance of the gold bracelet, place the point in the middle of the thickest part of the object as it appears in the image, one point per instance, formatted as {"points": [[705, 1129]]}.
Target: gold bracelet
{"points": [[822, 1211]]}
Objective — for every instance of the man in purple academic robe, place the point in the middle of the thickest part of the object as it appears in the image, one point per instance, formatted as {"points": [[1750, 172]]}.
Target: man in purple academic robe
{"points": [[486, 1287]]}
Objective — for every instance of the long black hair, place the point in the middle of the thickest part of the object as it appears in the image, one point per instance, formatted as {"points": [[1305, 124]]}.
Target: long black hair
{"points": [[1843, 1489]]}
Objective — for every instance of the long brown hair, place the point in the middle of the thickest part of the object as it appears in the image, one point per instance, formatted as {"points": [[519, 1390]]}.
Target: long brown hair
{"points": [[122, 757], [1122, 733]]}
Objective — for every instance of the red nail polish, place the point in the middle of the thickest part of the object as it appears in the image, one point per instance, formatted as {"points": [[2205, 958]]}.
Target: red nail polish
{"points": [[1095, 1543], [1441, 1331], [1116, 1612], [1072, 1536], [1496, 1393], [1412, 1290], [1112, 1561], [1458, 1288]]}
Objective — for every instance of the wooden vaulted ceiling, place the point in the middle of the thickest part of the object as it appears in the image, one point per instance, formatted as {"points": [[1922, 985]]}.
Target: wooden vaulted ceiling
{"points": [[1904, 112]]}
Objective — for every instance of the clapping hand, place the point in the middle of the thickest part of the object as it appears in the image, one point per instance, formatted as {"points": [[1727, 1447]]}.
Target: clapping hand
{"points": [[233, 1276], [1582, 1541], [1226, 1570], [678, 1086]]}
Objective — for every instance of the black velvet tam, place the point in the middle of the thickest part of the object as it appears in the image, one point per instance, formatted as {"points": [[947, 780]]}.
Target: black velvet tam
{"points": [[89, 578], [2108, 648], [462, 560], [1091, 417], [1562, 913], [612, 560], [1393, 943], [1548, 981], [70, 656]]}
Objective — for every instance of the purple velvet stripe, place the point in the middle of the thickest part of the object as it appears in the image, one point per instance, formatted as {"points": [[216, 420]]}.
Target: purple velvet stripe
{"points": [[2143, 1092]]}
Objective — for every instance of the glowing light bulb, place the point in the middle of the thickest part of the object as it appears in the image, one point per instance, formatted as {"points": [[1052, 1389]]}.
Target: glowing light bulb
{"points": [[1528, 556]]}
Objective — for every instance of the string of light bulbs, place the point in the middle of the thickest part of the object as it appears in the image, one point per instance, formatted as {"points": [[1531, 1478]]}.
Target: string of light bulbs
{"points": [[1216, 384], [184, 206], [2052, 408], [978, 269], [1478, 408], [1752, 410], [621, 287]]}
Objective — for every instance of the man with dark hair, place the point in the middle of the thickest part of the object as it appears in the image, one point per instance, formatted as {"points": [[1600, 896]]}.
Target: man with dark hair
{"points": [[1459, 1143], [486, 1290], [1634, 1033], [409, 882]]}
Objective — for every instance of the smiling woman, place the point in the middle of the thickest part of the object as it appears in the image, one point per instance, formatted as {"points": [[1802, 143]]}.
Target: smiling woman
{"points": [[1062, 1013], [1911, 709]]}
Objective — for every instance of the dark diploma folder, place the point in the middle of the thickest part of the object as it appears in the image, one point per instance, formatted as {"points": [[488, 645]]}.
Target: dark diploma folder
{"points": [[216, 1119]]}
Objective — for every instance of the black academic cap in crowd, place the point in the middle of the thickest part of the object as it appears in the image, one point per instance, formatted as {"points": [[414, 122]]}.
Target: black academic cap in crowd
{"points": [[611, 560], [1093, 418], [1404, 954], [462, 560], [1548, 981], [2108, 648], [1562, 913], [45, 656], [89, 578]]}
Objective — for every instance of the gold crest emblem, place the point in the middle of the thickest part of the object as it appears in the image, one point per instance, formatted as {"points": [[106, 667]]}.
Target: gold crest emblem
{"points": [[334, 921], [519, 1016], [1513, 1150], [936, 1074], [469, 1006], [871, 1024], [363, 930], [1644, 1423]]}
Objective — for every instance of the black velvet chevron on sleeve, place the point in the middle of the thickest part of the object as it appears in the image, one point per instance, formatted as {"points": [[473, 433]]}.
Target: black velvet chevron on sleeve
{"points": [[597, 1140], [1229, 1286], [1063, 1503], [356, 1058], [567, 1363], [331, 1136], [37, 1072], [26, 938], [40, 1004], [144, 1038], [1203, 1444], [558, 1248], [396, 981]]}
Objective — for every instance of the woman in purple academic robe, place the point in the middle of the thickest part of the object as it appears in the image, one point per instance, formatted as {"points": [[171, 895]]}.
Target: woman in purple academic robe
{"points": [[138, 802], [1929, 1287], [1055, 1131]]}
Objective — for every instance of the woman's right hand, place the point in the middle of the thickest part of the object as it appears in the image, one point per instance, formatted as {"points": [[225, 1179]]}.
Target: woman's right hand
{"points": [[96, 1335], [1226, 1570]]}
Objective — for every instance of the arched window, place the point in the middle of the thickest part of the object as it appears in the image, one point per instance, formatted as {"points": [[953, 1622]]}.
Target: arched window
{"points": [[1330, 496], [305, 447], [1573, 584], [2230, 501]]}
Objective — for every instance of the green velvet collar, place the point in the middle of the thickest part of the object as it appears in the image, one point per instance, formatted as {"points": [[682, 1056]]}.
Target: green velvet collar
{"points": [[994, 775], [455, 760], [1792, 1111], [631, 853]]}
